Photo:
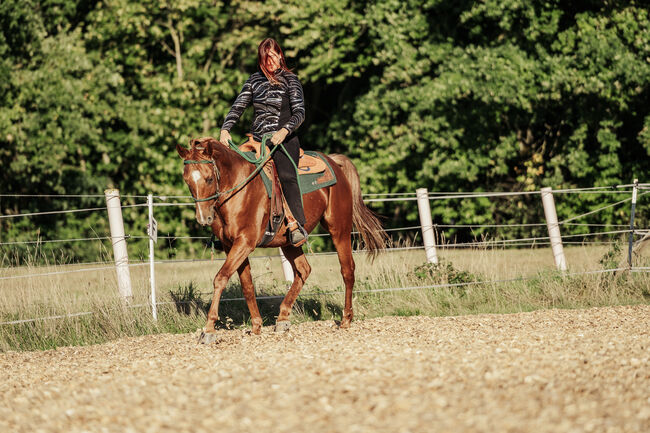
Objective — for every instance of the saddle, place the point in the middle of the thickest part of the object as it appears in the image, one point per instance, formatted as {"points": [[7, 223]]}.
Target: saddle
{"points": [[307, 164]]}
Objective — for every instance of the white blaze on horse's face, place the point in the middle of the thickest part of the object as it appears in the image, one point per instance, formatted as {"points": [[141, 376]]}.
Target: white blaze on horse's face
{"points": [[204, 211], [196, 176]]}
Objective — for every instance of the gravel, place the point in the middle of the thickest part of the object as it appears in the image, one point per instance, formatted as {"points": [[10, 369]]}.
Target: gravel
{"points": [[545, 371]]}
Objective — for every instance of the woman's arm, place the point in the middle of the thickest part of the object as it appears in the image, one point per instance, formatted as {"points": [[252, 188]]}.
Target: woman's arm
{"points": [[297, 102], [243, 100]]}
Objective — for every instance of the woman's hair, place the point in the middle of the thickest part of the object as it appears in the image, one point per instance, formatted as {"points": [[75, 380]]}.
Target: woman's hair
{"points": [[267, 45]]}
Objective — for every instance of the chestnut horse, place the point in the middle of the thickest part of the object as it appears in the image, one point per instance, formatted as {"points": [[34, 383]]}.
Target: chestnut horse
{"points": [[234, 202]]}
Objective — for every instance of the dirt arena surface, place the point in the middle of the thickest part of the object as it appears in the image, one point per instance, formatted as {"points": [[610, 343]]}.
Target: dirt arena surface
{"points": [[546, 371]]}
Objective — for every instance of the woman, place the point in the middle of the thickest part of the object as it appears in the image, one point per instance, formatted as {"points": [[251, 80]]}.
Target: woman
{"points": [[276, 94]]}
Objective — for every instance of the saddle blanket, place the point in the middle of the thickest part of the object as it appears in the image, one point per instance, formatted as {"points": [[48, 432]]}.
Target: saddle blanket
{"points": [[314, 172]]}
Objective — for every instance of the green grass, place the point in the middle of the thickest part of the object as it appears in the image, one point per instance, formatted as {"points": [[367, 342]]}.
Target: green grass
{"points": [[185, 290]]}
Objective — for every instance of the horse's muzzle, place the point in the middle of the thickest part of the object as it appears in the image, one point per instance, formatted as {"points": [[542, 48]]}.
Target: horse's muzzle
{"points": [[204, 217]]}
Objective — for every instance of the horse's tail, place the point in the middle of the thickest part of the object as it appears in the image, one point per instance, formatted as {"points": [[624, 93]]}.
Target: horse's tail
{"points": [[366, 221]]}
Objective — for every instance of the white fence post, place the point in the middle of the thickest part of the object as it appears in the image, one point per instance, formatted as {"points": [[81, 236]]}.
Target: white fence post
{"points": [[152, 231], [118, 240], [553, 228], [286, 267], [427, 225], [631, 238]]}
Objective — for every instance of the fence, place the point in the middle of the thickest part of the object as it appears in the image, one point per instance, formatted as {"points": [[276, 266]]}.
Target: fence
{"points": [[427, 228]]}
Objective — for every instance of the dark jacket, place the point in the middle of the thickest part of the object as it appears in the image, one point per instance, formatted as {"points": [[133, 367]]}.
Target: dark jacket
{"points": [[276, 106]]}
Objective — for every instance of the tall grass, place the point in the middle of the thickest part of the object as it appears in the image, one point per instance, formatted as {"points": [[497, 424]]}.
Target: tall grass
{"points": [[185, 290]]}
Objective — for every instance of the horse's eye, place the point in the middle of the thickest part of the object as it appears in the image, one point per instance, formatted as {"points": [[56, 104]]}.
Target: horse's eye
{"points": [[209, 180]]}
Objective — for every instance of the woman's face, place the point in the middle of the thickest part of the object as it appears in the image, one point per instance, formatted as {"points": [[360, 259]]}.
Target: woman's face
{"points": [[273, 60]]}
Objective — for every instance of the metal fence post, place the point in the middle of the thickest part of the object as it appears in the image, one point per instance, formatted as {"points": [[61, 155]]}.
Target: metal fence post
{"points": [[631, 239], [553, 228], [152, 231], [286, 267], [118, 240], [427, 225]]}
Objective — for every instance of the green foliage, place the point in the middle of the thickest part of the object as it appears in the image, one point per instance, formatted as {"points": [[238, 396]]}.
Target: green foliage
{"points": [[453, 96]]}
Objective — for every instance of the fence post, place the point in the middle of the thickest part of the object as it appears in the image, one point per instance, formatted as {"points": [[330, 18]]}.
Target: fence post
{"points": [[286, 267], [427, 225], [118, 240], [553, 228], [152, 231], [631, 239]]}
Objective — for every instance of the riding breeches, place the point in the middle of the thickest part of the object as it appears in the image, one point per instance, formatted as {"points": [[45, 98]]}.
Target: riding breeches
{"points": [[289, 178]]}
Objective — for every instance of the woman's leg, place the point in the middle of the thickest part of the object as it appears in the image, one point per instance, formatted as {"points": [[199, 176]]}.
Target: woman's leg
{"points": [[289, 178]]}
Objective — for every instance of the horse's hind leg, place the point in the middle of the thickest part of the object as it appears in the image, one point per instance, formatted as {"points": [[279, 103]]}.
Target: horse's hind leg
{"points": [[343, 244], [343, 247], [301, 270], [248, 289]]}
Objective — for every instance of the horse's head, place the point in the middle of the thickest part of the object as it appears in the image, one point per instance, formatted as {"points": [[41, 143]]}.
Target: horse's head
{"points": [[202, 176]]}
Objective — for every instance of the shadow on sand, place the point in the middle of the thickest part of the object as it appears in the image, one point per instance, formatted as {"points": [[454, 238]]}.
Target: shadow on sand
{"points": [[233, 310]]}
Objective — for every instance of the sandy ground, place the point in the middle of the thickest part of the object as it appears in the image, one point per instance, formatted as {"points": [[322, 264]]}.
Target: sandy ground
{"points": [[547, 371]]}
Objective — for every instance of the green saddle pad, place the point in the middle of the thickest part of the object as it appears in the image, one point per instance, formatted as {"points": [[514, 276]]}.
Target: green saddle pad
{"points": [[308, 182]]}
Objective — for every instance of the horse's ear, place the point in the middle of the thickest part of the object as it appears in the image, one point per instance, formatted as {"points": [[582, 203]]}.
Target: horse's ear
{"points": [[182, 152], [208, 147]]}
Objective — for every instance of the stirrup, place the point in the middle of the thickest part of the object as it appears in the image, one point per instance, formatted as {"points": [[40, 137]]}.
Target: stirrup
{"points": [[297, 235]]}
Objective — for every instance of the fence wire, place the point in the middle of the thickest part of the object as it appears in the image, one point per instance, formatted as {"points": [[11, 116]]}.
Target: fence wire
{"points": [[530, 241]]}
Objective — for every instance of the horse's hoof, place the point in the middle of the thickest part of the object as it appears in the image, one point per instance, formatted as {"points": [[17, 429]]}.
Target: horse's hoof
{"points": [[256, 327], [207, 338], [282, 326], [345, 324]]}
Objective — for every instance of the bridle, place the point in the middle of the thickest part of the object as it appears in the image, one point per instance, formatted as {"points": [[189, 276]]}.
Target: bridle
{"points": [[216, 173]]}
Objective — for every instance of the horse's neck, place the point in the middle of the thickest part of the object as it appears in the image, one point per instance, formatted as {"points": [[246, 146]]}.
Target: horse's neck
{"points": [[232, 168]]}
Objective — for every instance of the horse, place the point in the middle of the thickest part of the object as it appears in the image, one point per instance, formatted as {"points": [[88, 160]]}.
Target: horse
{"points": [[232, 200]]}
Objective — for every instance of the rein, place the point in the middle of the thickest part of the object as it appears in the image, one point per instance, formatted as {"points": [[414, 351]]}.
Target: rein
{"points": [[259, 162]]}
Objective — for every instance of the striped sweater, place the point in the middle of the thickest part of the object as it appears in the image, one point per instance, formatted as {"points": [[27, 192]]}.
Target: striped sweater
{"points": [[276, 106]]}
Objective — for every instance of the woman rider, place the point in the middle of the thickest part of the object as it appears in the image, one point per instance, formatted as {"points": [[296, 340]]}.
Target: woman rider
{"points": [[276, 94]]}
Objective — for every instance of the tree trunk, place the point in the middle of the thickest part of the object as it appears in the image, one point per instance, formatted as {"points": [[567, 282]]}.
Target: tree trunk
{"points": [[177, 50]]}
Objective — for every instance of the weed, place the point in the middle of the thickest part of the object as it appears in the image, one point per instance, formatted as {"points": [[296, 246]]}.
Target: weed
{"points": [[611, 259], [444, 272], [188, 300]]}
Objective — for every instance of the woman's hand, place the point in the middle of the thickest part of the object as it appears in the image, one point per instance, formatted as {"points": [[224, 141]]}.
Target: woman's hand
{"points": [[224, 137], [279, 136]]}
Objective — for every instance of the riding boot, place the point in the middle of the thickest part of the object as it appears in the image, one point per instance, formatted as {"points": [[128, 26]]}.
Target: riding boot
{"points": [[289, 181]]}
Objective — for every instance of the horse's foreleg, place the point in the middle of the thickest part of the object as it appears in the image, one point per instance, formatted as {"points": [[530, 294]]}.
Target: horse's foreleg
{"points": [[235, 258], [248, 289], [301, 270]]}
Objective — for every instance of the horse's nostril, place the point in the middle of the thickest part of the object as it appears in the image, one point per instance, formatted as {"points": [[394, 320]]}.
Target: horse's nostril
{"points": [[210, 219]]}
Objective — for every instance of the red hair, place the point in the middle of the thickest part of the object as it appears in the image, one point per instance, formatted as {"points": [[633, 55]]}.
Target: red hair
{"points": [[263, 50]]}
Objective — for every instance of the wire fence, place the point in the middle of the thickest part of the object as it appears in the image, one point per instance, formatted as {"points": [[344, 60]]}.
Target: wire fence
{"points": [[384, 197], [535, 241]]}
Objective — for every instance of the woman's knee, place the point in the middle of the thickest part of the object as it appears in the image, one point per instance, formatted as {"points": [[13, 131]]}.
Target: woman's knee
{"points": [[287, 175]]}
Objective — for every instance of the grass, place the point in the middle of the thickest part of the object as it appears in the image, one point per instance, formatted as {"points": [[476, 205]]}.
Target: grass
{"points": [[185, 291]]}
